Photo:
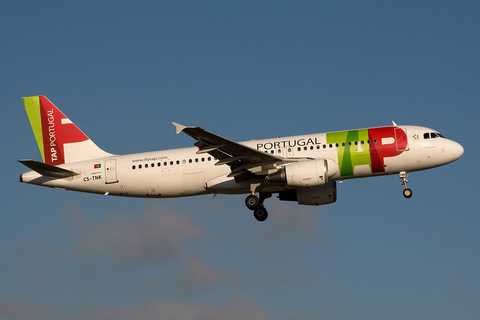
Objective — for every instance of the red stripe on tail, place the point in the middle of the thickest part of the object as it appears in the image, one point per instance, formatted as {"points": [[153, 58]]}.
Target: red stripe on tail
{"points": [[57, 133]]}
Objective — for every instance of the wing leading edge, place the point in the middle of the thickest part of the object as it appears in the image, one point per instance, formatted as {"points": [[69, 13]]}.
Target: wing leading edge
{"points": [[241, 159]]}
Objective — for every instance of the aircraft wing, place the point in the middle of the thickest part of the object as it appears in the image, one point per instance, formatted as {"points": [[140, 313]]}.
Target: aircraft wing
{"points": [[239, 157]]}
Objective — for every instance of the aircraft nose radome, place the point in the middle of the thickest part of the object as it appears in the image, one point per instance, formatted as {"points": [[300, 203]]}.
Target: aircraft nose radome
{"points": [[457, 150]]}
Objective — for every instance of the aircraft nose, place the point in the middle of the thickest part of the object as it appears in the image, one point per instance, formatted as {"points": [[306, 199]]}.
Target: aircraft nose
{"points": [[457, 150]]}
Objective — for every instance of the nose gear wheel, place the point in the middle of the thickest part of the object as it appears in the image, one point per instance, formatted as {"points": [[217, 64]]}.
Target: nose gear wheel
{"points": [[407, 193]]}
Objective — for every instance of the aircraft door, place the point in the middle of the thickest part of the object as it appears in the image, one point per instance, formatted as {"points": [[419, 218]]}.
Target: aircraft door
{"points": [[111, 171], [401, 139], [289, 152], [286, 152]]}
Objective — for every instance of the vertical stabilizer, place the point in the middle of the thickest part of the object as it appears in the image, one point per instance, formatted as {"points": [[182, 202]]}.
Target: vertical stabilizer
{"points": [[58, 138]]}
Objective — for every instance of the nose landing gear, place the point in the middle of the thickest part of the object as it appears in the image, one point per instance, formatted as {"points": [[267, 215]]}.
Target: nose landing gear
{"points": [[407, 193], [254, 203]]}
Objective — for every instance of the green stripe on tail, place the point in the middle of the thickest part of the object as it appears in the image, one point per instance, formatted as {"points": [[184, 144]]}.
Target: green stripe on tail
{"points": [[32, 106]]}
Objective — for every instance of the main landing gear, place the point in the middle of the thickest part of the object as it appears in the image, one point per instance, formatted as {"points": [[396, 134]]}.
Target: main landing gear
{"points": [[256, 204], [407, 193]]}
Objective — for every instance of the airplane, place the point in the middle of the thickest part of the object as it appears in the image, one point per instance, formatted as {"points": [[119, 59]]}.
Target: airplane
{"points": [[301, 168]]}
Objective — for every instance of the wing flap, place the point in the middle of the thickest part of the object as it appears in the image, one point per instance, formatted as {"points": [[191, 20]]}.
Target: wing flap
{"points": [[207, 149]]}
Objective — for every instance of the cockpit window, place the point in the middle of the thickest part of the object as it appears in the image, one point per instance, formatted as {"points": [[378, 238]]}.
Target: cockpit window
{"points": [[432, 135], [437, 135]]}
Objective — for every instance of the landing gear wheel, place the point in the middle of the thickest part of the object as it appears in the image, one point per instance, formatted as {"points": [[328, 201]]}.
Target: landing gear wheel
{"points": [[407, 193], [260, 214], [252, 202]]}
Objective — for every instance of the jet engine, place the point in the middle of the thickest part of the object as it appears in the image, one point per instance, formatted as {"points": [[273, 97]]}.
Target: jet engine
{"points": [[307, 173], [312, 196]]}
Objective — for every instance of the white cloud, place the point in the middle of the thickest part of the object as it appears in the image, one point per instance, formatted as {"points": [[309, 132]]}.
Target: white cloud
{"points": [[156, 239], [196, 276], [21, 309], [239, 307], [154, 235]]}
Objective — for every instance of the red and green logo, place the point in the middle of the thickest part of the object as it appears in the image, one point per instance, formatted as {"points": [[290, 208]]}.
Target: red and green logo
{"points": [[367, 147], [52, 129]]}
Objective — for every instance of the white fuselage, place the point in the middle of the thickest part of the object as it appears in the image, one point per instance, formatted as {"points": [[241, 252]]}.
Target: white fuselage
{"points": [[183, 172]]}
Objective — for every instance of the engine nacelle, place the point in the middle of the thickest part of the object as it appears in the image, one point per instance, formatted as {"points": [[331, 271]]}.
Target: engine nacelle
{"points": [[307, 173], [312, 196]]}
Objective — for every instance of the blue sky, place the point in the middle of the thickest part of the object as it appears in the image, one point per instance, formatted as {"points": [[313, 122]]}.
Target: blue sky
{"points": [[122, 71]]}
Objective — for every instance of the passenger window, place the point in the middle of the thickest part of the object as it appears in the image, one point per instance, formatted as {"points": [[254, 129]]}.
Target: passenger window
{"points": [[133, 167], [171, 163], [165, 164], [209, 158], [324, 146], [343, 144], [189, 160], [311, 147], [336, 145], [299, 149], [139, 166], [159, 164], [146, 165], [196, 159]]}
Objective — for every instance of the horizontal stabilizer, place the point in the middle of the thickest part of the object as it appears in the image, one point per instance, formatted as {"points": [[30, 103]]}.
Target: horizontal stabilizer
{"points": [[48, 170]]}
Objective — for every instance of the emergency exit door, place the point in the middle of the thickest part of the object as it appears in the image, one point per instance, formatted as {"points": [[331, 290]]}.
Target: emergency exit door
{"points": [[111, 171]]}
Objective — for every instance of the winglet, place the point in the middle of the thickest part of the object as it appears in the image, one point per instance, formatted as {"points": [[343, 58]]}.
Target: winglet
{"points": [[179, 127], [394, 123]]}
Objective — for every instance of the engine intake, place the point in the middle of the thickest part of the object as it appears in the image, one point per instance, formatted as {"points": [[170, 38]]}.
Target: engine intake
{"points": [[303, 173]]}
